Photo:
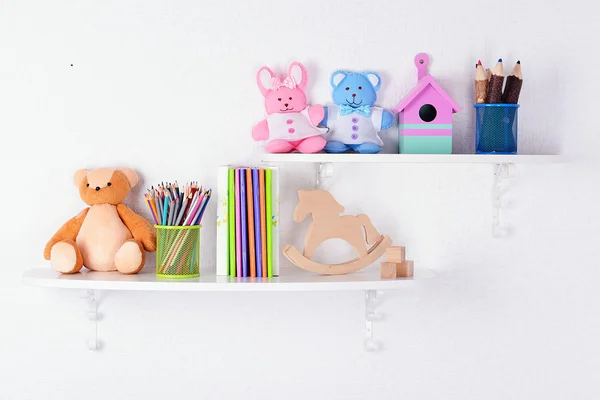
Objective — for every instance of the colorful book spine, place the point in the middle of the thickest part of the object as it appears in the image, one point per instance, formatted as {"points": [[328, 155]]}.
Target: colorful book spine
{"points": [[238, 225], [275, 220], [257, 237], [231, 219], [244, 222], [251, 241], [222, 222], [269, 209]]}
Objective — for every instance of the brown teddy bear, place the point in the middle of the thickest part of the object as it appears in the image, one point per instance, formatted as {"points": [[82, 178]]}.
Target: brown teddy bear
{"points": [[107, 236]]}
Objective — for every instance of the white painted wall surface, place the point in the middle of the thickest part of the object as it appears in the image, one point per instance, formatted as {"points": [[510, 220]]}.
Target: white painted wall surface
{"points": [[514, 318]]}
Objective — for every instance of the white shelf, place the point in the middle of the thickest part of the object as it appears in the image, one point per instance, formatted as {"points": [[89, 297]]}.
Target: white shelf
{"points": [[291, 279], [412, 158]]}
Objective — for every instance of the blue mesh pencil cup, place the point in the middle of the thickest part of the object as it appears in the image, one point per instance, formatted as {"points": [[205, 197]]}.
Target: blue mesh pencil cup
{"points": [[496, 128]]}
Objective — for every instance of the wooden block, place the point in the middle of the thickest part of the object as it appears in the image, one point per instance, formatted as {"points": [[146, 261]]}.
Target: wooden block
{"points": [[405, 269], [396, 254], [388, 270]]}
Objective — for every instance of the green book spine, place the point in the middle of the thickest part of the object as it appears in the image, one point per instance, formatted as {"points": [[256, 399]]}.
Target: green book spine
{"points": [[231, 219], [268, 216]]}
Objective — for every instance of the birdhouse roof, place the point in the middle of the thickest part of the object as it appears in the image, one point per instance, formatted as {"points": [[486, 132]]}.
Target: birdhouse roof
{"points": [[423, 83]]}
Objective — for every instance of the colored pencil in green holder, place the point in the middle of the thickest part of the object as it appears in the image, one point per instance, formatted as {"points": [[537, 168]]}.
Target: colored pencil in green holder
{"points": [[178, 252]]}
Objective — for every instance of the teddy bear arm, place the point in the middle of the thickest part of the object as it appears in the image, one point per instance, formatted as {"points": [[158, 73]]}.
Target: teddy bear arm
{"points": [[316, 114], [324, 119], [68, 231], [260, 131], [387, 120], [141, 229]]}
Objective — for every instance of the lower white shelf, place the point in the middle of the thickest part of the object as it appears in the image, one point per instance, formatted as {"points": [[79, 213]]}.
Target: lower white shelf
{"points": [[290, 280], [413, 158]]}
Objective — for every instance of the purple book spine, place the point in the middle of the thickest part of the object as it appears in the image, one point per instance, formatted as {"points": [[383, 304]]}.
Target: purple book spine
{"points": [[244, 218], [238, 230]]}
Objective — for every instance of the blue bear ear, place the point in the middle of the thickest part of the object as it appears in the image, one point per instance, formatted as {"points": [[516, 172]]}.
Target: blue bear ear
{"points": [[374, 78], [337, 77]]}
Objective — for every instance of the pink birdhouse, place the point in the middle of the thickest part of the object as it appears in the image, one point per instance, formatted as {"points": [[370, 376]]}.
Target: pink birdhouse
{"points": [[425, 115]]}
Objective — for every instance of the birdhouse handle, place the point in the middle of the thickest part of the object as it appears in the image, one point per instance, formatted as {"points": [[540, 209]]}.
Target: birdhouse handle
{"points": [[422, 61]]}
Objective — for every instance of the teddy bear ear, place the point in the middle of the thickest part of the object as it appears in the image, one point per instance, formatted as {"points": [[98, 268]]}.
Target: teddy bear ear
{"points": [[131, 175], [264, 80], [79, 175], [297, 72], [337, 77], [374, 78]]}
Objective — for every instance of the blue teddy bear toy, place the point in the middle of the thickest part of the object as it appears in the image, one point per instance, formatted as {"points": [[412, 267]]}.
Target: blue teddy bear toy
{"points": [[354, 121]]}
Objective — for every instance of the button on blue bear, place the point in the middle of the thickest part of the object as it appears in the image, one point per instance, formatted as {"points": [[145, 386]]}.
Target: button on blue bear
{"points": [[354, 121]]}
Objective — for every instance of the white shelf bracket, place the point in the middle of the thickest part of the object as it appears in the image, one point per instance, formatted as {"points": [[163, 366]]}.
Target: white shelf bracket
{"points": [[324, 172], [502, 172], [372, 298], [91, 299]]}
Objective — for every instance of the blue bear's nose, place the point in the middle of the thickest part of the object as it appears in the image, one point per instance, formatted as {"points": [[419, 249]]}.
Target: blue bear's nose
{"points": [[353, 94]]}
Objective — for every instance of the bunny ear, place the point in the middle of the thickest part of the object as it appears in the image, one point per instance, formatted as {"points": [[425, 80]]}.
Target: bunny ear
{"points": [[374, 78], [298, 73], [337, 77], [261, 78]]}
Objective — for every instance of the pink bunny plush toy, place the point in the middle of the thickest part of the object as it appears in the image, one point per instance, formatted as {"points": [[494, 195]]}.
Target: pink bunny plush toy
{"points": [[291, 124]]}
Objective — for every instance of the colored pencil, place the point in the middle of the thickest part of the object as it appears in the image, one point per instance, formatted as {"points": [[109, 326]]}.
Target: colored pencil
{"points": [[238, 226], [159, 208], [165, 201], [202, 208], [171, 212], [263, 222], [256, 227], [193, 209], [181, 211], [514, 82], [481, 84], [494, 92], [250, 205]]}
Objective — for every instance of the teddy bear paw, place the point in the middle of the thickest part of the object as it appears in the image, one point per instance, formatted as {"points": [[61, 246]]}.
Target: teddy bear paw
{"points": [[130, 257], [65, 257]]}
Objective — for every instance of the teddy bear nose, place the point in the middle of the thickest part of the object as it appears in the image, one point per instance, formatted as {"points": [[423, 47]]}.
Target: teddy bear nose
{"points": [[286, 104], [97, 188], [353, 94]]}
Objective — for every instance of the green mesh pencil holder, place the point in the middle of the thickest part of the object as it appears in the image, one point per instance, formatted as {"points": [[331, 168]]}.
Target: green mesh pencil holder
{"points": [[178, 251]]}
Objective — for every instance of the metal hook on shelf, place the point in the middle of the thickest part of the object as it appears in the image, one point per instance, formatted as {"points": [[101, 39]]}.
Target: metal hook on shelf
{"points": [[502, 172], [372, 299], [324, 171], [91, 297]]}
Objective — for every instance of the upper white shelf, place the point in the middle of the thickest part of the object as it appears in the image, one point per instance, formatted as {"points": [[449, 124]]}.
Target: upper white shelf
{"points": [[411, 158], [291, 280]]}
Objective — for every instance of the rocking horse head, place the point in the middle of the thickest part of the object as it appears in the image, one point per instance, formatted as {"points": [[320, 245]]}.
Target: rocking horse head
{"points": [[316, 202]]}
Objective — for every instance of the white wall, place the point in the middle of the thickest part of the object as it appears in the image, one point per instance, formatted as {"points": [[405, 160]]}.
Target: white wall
{"points": [[512, 318]]}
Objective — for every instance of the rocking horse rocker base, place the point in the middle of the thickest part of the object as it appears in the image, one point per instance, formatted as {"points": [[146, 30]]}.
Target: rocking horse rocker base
{"points": [[328, 224], [376, 251]]}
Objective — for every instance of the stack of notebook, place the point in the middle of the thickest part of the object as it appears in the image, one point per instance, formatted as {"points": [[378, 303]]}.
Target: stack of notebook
{"points": [[247, 222]]}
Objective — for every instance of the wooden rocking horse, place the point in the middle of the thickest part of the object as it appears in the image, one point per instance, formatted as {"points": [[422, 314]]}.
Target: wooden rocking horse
{"points": [[328, 224]]}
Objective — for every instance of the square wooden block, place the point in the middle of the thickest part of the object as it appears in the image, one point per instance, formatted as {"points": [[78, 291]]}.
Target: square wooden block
{"points": [[396, 254], [405, 269], [388, 270]]}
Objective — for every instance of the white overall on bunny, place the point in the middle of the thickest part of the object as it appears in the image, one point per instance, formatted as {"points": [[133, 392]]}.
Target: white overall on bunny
{"points": [[292, 126], [354, 128]]}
